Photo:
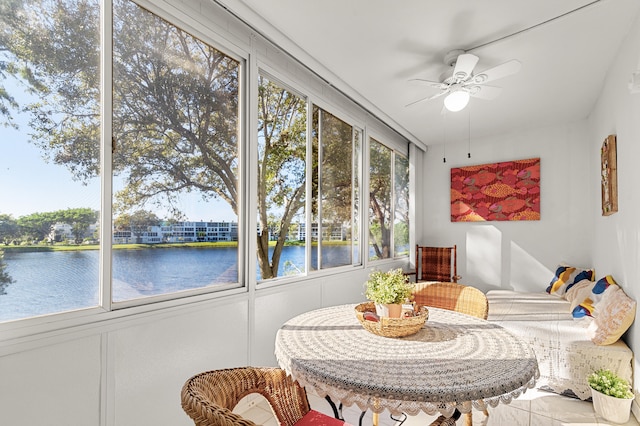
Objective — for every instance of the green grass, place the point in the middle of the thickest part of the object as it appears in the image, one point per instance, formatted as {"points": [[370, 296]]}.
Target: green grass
{"points": [[73, 247]]}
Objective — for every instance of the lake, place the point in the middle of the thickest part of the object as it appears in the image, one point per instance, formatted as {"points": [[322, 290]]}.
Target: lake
{"points": [[56, 281]]}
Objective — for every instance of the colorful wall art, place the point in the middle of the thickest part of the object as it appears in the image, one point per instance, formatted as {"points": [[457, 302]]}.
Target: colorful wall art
{"points": [[500, 191]]}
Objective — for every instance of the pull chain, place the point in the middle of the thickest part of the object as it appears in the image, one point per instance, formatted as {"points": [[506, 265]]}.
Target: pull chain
{"points": [[444, 143], [469, 134]]}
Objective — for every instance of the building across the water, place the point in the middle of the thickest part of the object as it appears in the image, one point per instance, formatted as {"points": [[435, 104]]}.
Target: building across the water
{"points": [[180, 232], [190, 231]]}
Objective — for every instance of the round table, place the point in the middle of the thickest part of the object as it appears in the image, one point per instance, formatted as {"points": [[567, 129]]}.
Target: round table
{"points": [[454, 362]]}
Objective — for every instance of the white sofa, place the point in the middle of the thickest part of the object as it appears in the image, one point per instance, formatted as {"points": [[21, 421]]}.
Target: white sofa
{"points": [[563, 345]]}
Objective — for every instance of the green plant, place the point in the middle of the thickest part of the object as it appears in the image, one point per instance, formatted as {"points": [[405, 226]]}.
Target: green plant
{"points": [[388, 287], [608, 383]]}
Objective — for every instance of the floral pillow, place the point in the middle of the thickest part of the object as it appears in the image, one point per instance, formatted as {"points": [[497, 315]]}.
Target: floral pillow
{"points": [[566, 277]]}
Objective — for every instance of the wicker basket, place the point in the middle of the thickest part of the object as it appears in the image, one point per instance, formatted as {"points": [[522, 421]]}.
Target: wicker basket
{"points": [[391, 327]]}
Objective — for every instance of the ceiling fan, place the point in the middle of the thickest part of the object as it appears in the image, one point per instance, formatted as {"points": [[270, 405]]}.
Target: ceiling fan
{"points": [[460, 82]]}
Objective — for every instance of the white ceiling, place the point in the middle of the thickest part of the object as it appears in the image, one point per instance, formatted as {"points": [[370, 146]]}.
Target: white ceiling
{"points": [[370, 48]]}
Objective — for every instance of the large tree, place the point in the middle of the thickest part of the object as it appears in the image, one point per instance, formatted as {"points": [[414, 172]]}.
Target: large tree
{"points": [[175, 99], [80, 220], [5, 278], [9, 229], [51, 52], [37, 226], [138, 223], [175, 115], [175, 123], [176, 103], [281, 168], [333, 168], [380, 205]]}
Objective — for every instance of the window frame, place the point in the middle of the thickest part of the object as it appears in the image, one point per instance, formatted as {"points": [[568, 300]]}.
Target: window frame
{"points": [[289, 84], [272, 75], [242, 57], [216, 32], [361, 127], [380, 139]]}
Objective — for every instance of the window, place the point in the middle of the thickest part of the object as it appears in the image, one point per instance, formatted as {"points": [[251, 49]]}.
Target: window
{"points": [[401, 202], [175, 217], [388, 202], [49, 156], [175, 158], [334, 229], [282, 147]]}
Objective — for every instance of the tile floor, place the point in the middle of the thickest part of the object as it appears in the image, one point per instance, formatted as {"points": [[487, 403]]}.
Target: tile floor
{"points": [[534, 408]]}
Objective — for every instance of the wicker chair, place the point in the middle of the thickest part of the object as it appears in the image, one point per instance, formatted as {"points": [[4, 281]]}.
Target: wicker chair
{"points": [[209, 397], [453, 297], [436, 264]]}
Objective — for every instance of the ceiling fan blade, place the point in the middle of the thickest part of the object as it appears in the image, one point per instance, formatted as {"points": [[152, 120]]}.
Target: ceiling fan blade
{"points": [[499, 71], [464, 66], [484, 92], [422, 82], [428, 98]]}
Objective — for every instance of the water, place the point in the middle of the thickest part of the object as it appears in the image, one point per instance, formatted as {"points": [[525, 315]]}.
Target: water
{"points": [[46, 282], [56, 281]]}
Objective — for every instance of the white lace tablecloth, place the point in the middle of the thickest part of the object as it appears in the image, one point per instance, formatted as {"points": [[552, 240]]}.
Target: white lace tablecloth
{"points": [[454, 361]]}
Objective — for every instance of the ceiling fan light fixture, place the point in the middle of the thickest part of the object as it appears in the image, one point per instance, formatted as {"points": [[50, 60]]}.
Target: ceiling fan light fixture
{"points": [[456, 101]]}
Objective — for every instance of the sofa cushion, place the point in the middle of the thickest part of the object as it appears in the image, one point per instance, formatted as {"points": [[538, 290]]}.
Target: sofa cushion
{"points": [[579, 292], [316, 418], [615, 313], [566, 277], [587, 296]]}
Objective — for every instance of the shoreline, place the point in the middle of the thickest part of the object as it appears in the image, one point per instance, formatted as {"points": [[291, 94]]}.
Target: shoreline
{"points": [[136, 246]]}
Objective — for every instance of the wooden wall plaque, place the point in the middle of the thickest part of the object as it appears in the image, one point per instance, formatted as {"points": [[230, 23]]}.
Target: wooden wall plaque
{"points": [[609, 176]]}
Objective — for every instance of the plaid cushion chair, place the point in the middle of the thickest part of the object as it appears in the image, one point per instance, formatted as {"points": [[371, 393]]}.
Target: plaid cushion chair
{"points": [[436, 264]]}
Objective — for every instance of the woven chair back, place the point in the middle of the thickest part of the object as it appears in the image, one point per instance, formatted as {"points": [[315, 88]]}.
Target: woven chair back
{"points": [[209, 397], [452, 296]]}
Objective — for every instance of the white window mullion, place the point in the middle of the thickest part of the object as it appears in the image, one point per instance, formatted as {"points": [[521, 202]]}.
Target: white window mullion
{"points": [[250, 173], [392, 218], [106, 101], [308, 216], [366, 153], [320, 194]]}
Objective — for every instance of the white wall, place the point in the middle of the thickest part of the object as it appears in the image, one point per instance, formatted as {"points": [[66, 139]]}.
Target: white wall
{"points": [[615, 243], [522, 255], [515, 255], [130, 370]]}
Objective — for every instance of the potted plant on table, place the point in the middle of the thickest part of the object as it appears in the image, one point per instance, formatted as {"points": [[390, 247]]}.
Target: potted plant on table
{"points": [[611, 395], [388, 290]]}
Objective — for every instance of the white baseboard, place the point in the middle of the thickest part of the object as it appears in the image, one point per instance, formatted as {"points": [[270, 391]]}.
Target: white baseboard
{"points": [[635, 408]]}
